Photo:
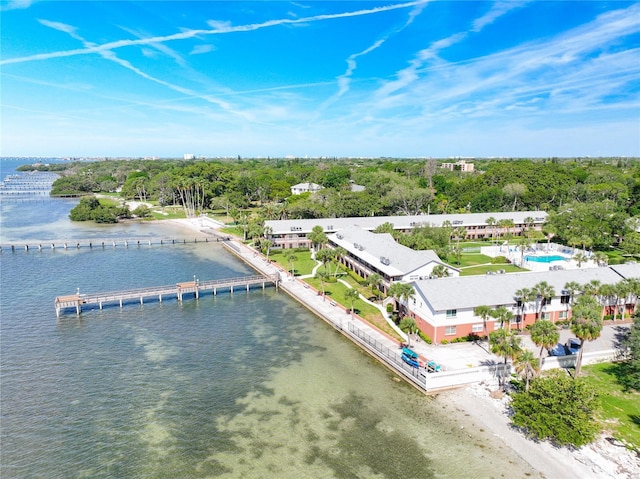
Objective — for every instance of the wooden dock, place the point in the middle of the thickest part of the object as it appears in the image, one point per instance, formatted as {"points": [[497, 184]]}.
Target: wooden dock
{"points": [[78, 301], [61, 244]]}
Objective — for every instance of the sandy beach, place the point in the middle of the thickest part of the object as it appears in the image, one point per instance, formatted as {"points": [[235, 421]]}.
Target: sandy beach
{"points": [[599, 460], [476, 409]]}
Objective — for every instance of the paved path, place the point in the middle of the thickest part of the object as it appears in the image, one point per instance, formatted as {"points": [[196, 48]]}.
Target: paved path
{"points": [[453, 356]]}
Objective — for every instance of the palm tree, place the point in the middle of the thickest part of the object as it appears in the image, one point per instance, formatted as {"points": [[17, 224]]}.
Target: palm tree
{"points": [[585, 324], [325, 256], [408, 325], [266, 248], [337, 254], [545, 293], [523, 297], [407, 294], [351, 294], [491, 221], [502, 314], [292, 257], [572, 287], [544, 334], [317, 237], [373, 280], [440, 271], [526, 366], [400, 291], [632, 286], [322, 275], [484, 312], [395, 291], [600, 258], [549, 232], [580, 258], [592, 288], [504, 344], [608, 295]]}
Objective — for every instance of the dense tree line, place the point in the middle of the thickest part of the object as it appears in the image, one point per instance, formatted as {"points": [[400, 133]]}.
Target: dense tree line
{"points": [[593, 203]]}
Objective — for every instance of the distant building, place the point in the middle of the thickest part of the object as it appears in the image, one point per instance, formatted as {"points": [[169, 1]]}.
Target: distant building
{"points": [[356, 188], [458, 166], [189, 156], [305, 188], [293, 233]]}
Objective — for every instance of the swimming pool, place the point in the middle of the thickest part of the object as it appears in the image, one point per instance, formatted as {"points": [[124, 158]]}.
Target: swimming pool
{"points": [[545, 259]]}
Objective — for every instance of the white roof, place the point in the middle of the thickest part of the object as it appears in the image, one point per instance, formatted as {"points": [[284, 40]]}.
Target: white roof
{"points": [[382, 251], [464, 292], [307, 186], [401, 222]]}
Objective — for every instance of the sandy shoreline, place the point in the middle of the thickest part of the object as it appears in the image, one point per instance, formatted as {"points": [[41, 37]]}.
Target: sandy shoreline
{"points": [[599, 460], [489, 417]]}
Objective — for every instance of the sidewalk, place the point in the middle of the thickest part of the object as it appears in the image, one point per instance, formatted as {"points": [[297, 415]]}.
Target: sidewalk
{"points": [[452, 357]]}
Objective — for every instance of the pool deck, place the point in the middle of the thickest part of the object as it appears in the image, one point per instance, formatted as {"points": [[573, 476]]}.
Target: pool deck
{"points": [[516, 257]]}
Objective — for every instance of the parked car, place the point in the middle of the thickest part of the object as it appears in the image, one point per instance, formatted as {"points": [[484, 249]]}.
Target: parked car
{"points": [[557, 350], [573, 346]]}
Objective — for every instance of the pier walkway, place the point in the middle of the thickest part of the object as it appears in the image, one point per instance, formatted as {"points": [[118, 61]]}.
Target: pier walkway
{"points": [[53, 244], [78, 301]]}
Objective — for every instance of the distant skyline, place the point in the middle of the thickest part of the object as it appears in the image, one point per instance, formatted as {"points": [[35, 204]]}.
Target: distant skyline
{"points": [[319, 78]]}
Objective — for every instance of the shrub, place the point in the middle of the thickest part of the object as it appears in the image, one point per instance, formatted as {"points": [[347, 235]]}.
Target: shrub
{"points": [[424, 337], [389, 308], [558, 408], [500, 260], [444, 341]]}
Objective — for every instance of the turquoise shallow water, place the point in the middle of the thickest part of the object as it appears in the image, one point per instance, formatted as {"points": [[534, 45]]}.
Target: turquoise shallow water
{"points": [[249, 385]]}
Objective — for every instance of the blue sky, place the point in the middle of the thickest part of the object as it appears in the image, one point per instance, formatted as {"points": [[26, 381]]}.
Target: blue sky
{"points": [[320, 78]]}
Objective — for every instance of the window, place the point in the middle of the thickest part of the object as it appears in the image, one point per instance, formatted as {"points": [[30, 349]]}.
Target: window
{"points": [[546, 316], [477, 328], [452, 313], [449, 330], [563, 315]]}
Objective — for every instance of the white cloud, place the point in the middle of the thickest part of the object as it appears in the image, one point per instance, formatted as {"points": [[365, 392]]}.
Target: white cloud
{"points": [[498, 9], [16, 5], [219, 25], [218, 28], [200, 49]]}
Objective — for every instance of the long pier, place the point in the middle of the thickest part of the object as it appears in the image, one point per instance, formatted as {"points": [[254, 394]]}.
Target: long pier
{"points": [[78, 301], [53, 244]]}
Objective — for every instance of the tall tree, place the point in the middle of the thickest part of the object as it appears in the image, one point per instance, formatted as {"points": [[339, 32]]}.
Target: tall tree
{"points": [[502, 314], [323, 276], [545, 293], [351, 294], [586, 324], [292, 258], [544, 334], [523, 297], [373, 281], [484, 312], [527, 366], [504, 344]]}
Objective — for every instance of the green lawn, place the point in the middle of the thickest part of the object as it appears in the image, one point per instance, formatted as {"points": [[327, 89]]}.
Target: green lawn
{"points": [[620, 409], [509, 268], [302, 265], [335, 292], [472, 259]]}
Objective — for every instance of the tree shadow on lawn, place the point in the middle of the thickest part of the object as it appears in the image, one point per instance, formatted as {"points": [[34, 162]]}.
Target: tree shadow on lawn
{"points": [[623, 373]]}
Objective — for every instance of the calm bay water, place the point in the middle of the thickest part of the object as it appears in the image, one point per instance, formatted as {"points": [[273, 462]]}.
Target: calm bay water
{"points": [[243, 385]]}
